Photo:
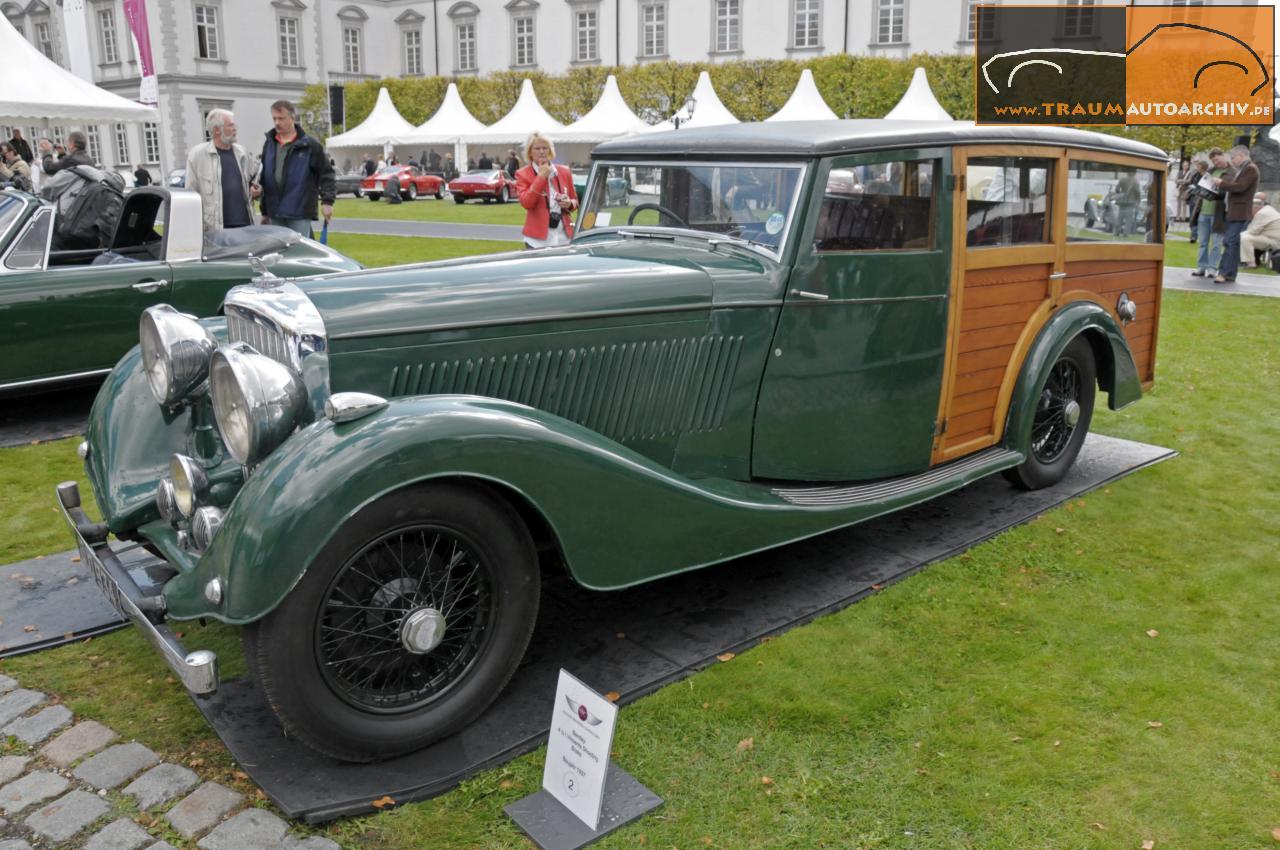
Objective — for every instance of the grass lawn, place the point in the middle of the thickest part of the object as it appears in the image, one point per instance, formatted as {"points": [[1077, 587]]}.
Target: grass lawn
{"points": [[1100, 677], [429, 209], [376, 251]]}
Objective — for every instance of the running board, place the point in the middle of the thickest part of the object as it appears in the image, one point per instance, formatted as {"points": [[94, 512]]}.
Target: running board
{"points": [[841, 495]]}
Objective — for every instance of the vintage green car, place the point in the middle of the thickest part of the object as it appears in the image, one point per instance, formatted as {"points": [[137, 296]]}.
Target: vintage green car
{"points": [[790, 328], [68, 316]]}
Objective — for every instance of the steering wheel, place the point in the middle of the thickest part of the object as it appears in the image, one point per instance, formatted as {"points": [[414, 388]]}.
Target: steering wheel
{"points": [[636, 210]]}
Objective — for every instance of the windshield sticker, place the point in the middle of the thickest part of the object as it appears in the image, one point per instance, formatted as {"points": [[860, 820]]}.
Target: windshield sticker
{"points": [[773, 225], [603, 219]]}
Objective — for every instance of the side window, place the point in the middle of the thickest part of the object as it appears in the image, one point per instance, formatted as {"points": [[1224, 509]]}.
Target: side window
{"points": [[1112, 203], [1008, 200], [883, 207], [28, 251]]}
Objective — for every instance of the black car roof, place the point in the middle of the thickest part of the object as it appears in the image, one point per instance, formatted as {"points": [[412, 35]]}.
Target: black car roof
{"points": [[806, 139]]}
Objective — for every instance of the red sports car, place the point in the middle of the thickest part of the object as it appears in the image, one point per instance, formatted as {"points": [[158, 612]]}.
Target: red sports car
{"points": [[489, 183], [412, 183]]}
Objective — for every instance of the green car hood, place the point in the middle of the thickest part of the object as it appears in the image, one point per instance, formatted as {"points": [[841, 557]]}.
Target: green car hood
{"points": [[605, 279]]}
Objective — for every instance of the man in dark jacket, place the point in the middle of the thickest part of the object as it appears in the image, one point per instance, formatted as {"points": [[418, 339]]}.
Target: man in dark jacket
{"points": [[295, 171], [1240, 186], [21, 146], [142, 177], [77, 143]]}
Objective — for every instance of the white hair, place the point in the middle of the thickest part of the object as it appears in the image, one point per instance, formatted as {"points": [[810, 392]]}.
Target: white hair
{"points": [[1242, 150], [216, 118]]}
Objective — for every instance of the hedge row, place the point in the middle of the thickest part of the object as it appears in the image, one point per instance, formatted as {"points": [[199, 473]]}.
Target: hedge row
{"points": [[853, 86]]}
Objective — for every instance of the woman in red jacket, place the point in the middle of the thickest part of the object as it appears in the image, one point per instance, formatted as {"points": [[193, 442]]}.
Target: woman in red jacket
{"points": [[547, 194]]}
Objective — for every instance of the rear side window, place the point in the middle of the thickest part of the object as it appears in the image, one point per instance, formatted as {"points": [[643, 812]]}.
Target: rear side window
{"points": [[883, 207], [1112, 203], [1008, 200], [28, 251]]}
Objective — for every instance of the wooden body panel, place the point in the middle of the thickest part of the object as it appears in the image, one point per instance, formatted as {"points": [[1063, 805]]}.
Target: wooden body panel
{"points": [[1105, 280]]}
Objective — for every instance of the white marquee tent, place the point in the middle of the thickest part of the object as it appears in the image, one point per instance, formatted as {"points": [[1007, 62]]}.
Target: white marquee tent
{"points": [[525, 117], [919, 104], [805, 103], [384, 126], [708, 111], [41, 90], [608, 119]]}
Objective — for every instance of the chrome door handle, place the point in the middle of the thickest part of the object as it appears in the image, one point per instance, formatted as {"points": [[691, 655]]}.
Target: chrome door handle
{"points": [[149, 286], [1057, 276], [816, 296]]}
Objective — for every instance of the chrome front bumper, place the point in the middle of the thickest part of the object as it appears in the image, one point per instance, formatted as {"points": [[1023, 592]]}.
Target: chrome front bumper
{"points": [[197, 670]]}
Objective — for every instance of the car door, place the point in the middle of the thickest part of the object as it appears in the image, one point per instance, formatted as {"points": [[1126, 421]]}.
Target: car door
{"points": [[852, 387], [69, 320]]}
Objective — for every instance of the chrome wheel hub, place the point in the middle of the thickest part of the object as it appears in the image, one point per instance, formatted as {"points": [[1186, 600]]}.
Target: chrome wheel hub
{"points": [[422, 630], [1071, 413]]}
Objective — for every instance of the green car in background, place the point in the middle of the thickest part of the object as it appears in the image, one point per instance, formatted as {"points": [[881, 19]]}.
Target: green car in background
{"points": [[68, 316], [759, 333]]}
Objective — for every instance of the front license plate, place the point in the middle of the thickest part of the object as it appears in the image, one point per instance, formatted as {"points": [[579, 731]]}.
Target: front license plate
{"points": [[103, 578]]}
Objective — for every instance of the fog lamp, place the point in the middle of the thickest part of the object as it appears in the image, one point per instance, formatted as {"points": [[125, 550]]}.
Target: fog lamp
{"points": [[190, 484]]}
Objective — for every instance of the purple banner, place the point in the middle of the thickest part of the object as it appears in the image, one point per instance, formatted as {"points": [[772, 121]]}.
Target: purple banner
{"points": [[135, 12]]}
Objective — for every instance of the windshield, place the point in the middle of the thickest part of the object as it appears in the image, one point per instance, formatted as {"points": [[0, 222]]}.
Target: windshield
{"points": [[483, 175], [388, 170], [755, 203], [10, 209]]}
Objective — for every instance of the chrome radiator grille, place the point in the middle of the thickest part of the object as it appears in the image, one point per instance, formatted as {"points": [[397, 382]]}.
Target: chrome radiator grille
{"points": [[263, 334]]}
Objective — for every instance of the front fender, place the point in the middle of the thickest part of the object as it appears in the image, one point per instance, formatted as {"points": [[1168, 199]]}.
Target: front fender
{"points": [[1117, 373]]}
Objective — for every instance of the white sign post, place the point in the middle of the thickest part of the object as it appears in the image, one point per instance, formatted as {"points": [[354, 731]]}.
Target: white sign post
{"points": [[582, 724]]}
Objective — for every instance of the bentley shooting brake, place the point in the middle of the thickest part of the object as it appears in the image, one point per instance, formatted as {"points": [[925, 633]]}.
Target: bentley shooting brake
{"points": [[759, 333]]}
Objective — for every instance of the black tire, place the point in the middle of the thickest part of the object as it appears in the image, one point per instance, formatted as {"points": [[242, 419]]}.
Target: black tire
{"points": [[312, 656], [503, 195], [373, 196], [488, 200], [359, 193], [1055, 440], [411, 194], [459, 199], [440, 192]]}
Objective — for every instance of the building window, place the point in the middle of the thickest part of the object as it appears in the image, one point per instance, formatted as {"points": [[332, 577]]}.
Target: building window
{"points": [[289, 55], [351, 50], [522, 29], [890, 17], [653, 29], [1079, 23], [17, 24], [466, 33], [122, 145], [586, 25], [413, 52], [804, 18], [988, 20], [107, 32], [44, 40], [151, 142], [207, 46], [95, 143], [728, 25]]}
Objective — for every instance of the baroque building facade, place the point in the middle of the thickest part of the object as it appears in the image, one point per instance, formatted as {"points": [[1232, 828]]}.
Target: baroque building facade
{"points": [[244, 54]]}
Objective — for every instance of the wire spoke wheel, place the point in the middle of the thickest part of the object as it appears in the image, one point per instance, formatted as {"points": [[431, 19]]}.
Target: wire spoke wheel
{"points": [[1057, 413], [1060, 420], [404, 619]]}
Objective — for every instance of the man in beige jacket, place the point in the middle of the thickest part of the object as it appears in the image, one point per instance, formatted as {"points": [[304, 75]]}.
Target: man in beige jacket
{"points": [[1263, 232], [222, 173]]}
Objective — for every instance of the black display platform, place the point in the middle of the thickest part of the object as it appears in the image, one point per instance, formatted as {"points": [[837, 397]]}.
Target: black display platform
{"points": [[49, 601], [669, 629], [49, 416]]}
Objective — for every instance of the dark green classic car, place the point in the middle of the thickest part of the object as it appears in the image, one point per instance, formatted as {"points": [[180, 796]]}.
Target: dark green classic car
{"points": [[68, 316], [758, 334]]}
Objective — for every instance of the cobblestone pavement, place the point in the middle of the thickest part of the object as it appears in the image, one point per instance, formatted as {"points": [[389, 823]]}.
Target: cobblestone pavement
{"points": [[79, 786]]}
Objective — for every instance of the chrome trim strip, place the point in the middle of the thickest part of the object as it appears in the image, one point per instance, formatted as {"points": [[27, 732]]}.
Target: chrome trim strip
{"points": [[837, 495], [886, 300], [527, 320], [35, 382]]}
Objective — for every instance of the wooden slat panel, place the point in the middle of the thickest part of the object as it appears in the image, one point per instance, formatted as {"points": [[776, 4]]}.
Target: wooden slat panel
{"points": [[1088, 267], [1006, 274], [974, 381], [956, 445], [989, 337], [990, 317], [1005, 293], [981, 400], [1114, 282], [986, 358], [979, 421]]}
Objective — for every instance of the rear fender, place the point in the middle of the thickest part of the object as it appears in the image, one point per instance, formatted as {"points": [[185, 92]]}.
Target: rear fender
{"points": [[1117, 373]]}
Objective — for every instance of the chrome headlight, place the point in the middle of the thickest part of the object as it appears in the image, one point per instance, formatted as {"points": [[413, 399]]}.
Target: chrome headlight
{"points": [[190, 484], [175, 353], [166, 501], [204, 525], [256, 401]]}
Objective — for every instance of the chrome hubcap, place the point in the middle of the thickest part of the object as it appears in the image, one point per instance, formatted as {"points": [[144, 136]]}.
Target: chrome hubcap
{"points": [[422, 630], [1071, 413]]}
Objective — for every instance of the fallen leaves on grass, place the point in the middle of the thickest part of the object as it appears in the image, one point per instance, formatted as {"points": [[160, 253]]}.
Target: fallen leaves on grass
{"points": [[506, 785], [725, 656], [1154, 724], [383, 802], [1275, 833], [1097, 825], [612, 696], [745, 744], [765, 780], [1017, 739], [1152, 633], [1149, 844]]}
